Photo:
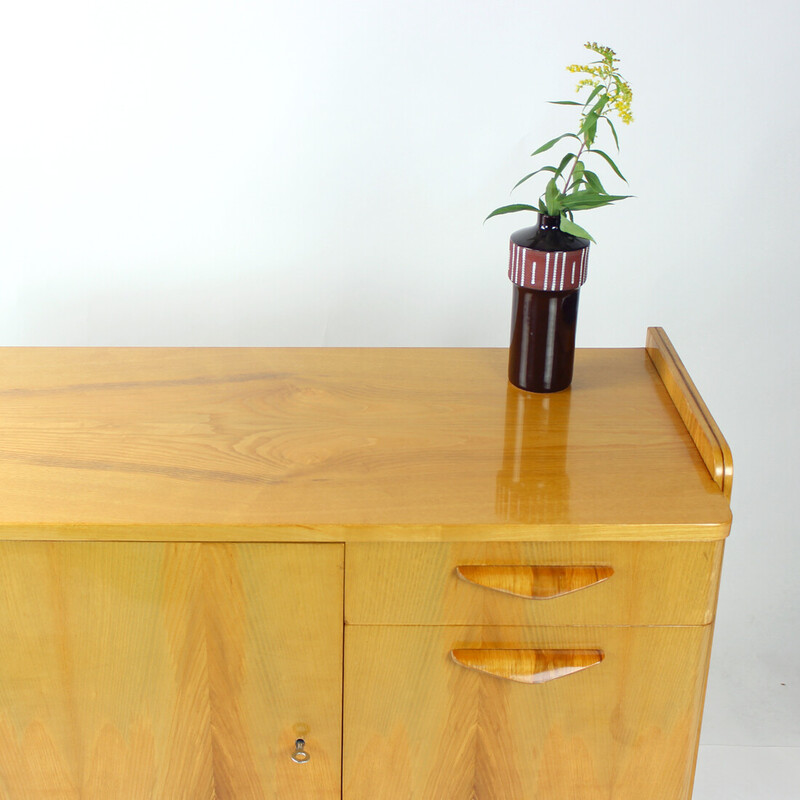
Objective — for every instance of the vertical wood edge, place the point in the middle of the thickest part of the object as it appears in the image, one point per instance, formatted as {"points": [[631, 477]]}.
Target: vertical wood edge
{"points": [[694, 413], [342, 665], [706, 661]]}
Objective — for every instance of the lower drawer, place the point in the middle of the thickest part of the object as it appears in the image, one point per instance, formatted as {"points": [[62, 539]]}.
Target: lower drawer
{"points": [[622, 722], [532, 583]]}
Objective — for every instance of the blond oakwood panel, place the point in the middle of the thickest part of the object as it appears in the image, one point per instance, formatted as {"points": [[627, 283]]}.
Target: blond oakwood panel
{"points": [[625, 728], [653, 583], [169, 671], [234, 444]]}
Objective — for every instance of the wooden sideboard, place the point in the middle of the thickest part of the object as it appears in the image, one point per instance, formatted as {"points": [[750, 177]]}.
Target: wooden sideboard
{"points": [[361, 573]]}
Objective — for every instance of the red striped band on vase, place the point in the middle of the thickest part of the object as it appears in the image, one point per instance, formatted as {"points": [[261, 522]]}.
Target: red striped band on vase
{"points": [[557, 271]]}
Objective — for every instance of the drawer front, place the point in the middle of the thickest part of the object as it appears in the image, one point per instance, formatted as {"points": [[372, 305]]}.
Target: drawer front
{"points": [[451, 712], [532, 583]]}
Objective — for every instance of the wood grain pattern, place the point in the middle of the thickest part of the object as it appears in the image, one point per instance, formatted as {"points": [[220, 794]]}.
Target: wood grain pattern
{"points": [[526, 666], [693, 411], [169, 671], [170, 444], [654, 583], [626, 729], [534, 582], [155, 648]]}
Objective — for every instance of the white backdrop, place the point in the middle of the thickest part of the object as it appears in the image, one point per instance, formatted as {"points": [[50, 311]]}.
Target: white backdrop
{"points": [[235, 172]]}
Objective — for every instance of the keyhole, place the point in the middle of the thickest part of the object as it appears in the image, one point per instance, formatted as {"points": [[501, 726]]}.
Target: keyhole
{"points": [[300, 756]]}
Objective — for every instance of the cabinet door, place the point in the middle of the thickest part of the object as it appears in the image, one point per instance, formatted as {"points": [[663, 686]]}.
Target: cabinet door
{"points": [[160, 670], [609, 712]]}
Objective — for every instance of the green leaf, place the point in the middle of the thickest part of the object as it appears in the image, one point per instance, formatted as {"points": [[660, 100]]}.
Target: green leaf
{"points": [[543, 169], [511, 209], [542, 207], [597, 89], [580, 201], [583, 196], [551, 197], [591, 132], [597, 108], [589, 128], [610, 162], [564, 103], [549, 144], [587, 121], [568, 226], [593, 182], [564, 161], [613, 132]]}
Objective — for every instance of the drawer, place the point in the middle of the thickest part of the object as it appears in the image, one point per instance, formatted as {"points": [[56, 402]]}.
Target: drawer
{"points": [[532, 583], [623, 724]]}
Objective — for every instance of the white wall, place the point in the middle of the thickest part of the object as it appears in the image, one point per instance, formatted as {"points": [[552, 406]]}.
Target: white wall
{"points": [[316, 173]]}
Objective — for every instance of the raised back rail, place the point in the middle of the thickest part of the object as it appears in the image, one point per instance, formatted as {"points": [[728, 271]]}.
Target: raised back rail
{"points": [[696, 417]]}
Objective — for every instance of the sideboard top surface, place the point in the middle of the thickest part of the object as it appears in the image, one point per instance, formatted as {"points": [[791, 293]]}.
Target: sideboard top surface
{"points": [[324, 444]]}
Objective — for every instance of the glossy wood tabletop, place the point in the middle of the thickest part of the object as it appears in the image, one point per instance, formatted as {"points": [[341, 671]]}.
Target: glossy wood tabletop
{"points": [[253, 444]]}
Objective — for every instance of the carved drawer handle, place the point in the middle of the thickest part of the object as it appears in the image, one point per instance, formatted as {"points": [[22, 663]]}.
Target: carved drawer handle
{"points": [[537, 583], [527, 666]]}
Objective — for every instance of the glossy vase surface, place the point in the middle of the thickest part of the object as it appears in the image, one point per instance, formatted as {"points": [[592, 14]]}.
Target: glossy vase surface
{"points": [[547, 268]]}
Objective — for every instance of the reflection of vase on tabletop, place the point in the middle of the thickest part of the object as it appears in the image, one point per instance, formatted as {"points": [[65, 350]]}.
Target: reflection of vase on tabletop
{"points": [[533, 481], [547, 268]]}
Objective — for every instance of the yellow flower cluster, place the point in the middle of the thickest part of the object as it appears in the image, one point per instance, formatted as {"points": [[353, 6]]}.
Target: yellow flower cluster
{"points": [[621, 101], [600, 72], [608, 54], [604, 74]]}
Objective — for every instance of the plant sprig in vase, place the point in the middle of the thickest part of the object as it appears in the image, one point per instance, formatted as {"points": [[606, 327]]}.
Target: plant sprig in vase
{"points": [[573, 186]]}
